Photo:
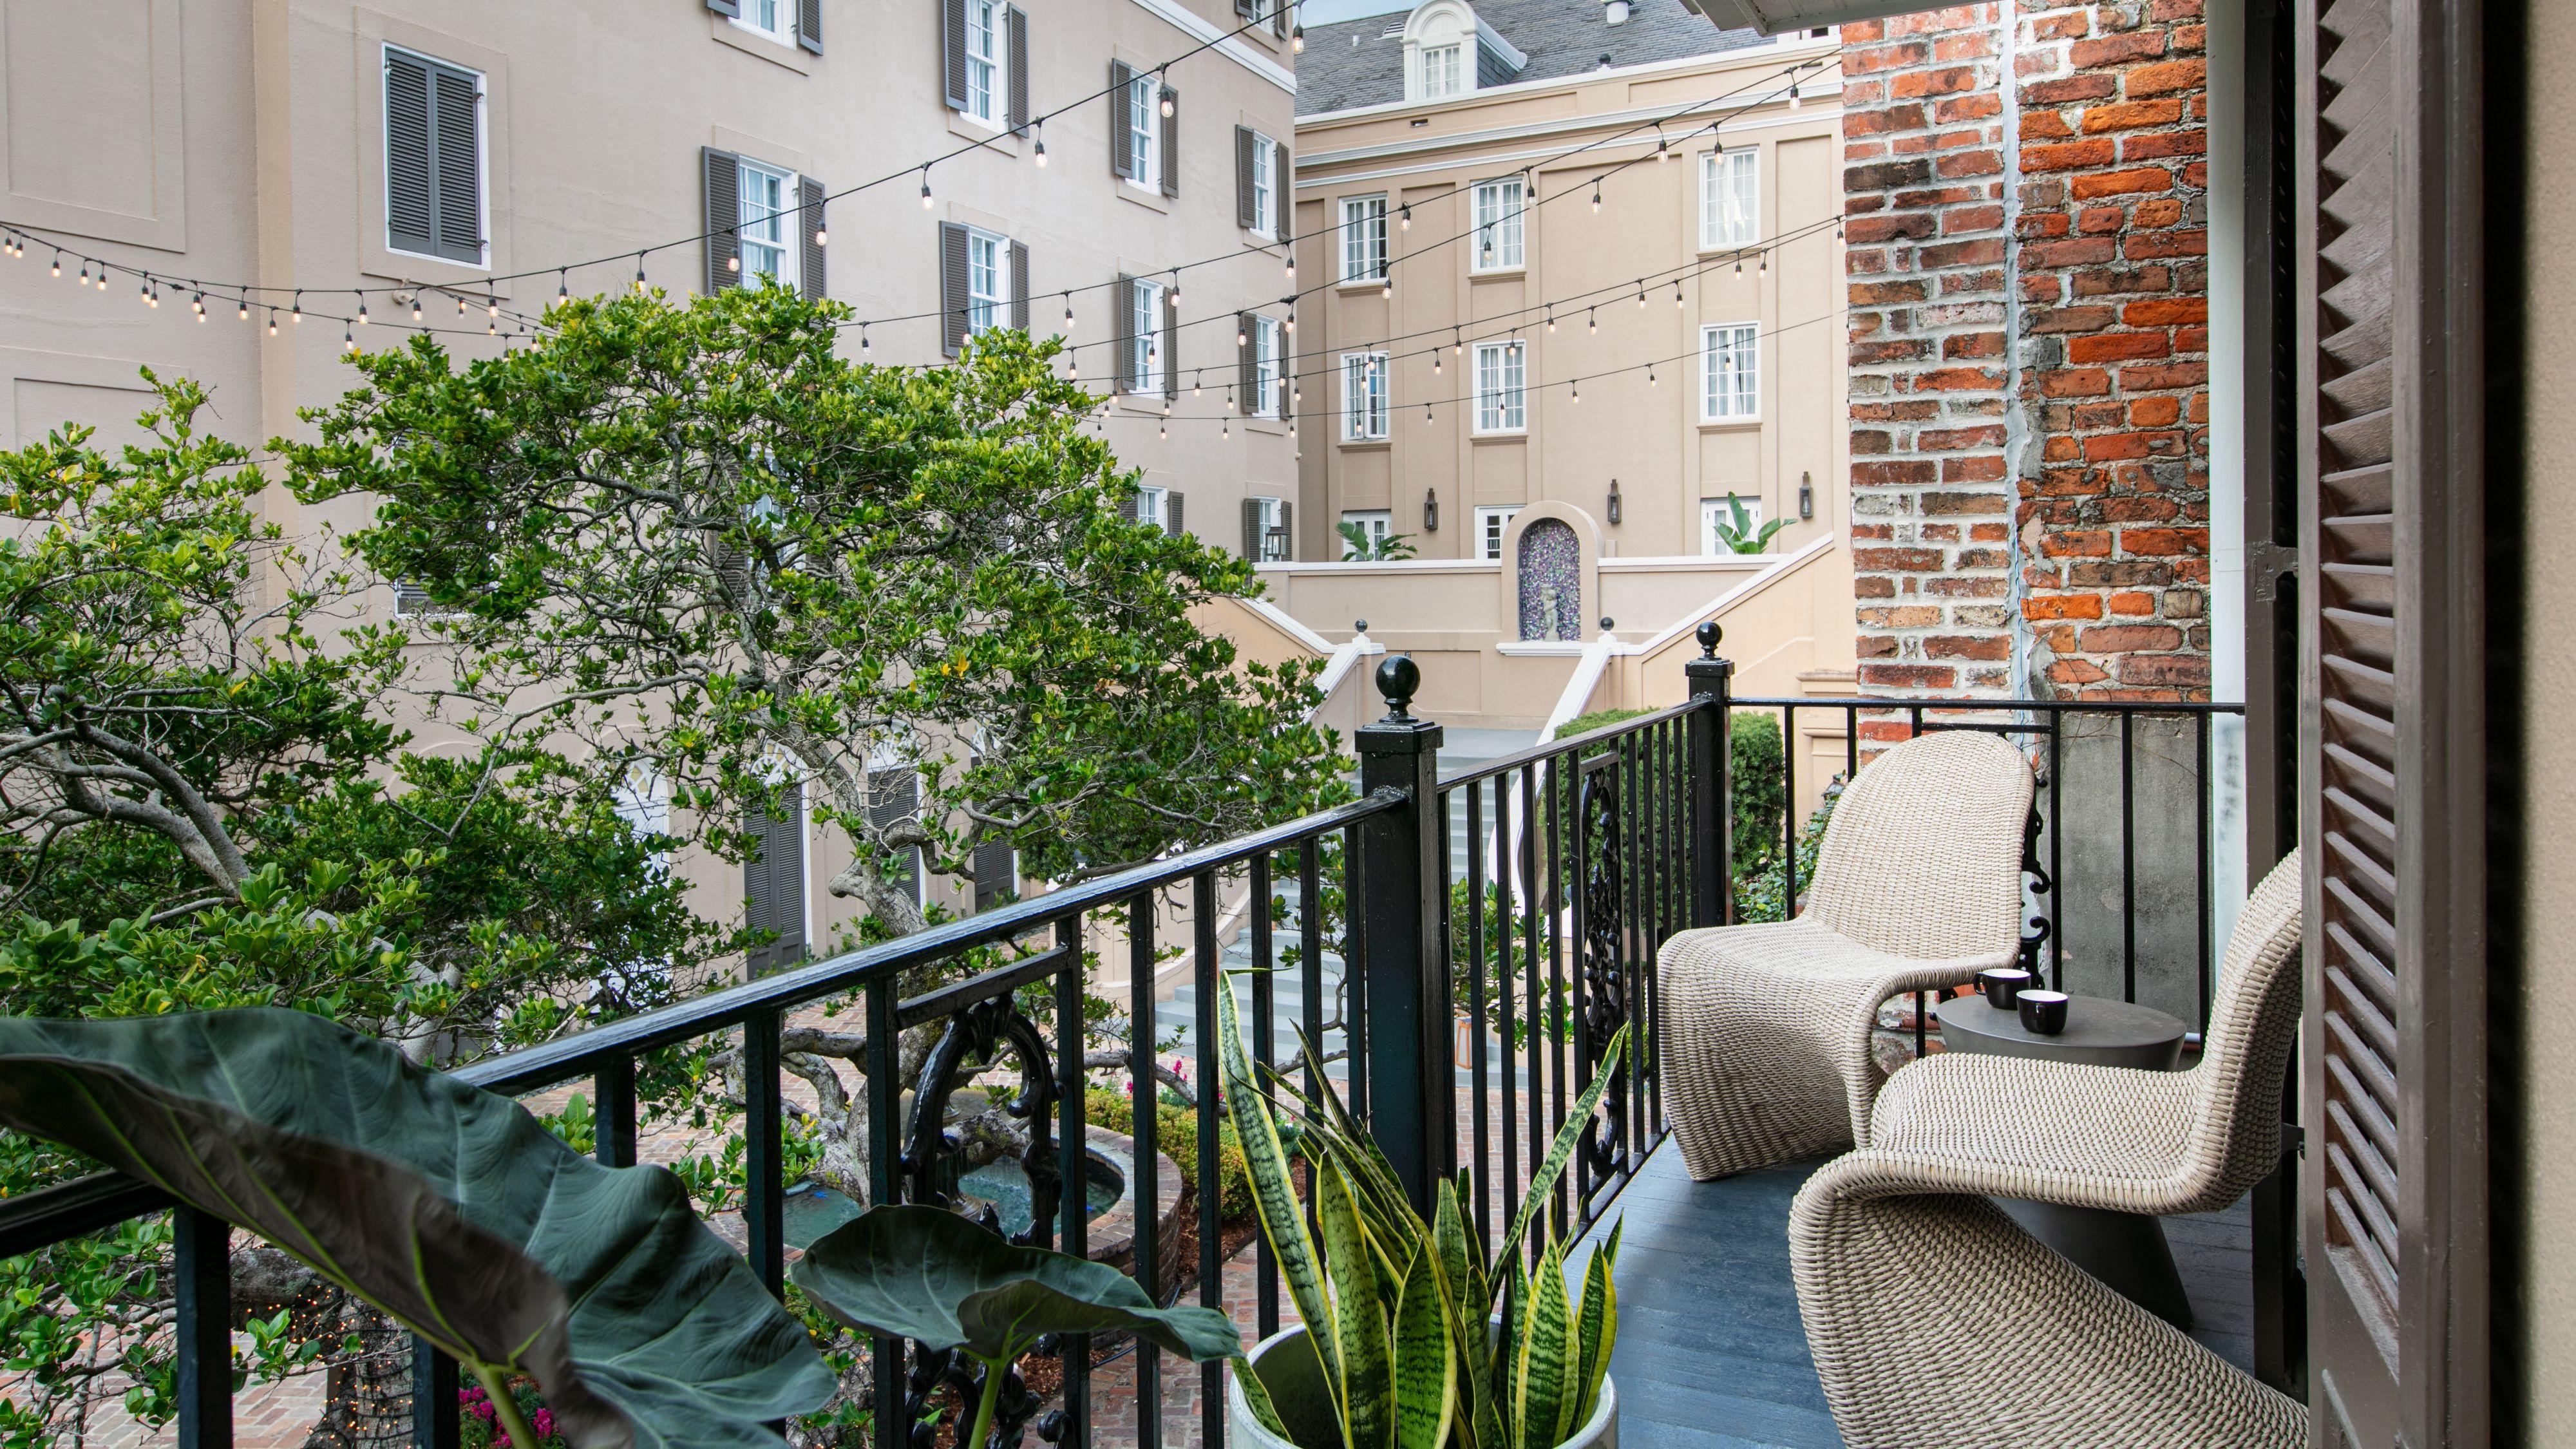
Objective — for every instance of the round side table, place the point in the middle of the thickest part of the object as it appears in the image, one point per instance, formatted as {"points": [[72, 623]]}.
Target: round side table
{"points": [[2126, 1251]]}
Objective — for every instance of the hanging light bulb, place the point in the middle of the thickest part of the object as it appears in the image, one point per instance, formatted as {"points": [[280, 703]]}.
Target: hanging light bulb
{"points": [[1592, 324], [1551, 319], [1297, 40], [1292, 319], [1291, 267], [1596, 198], [1764, 265], [348, 338], [1037, 129], [150, 297], [415, 309], [1225, 431], [563, 285], [1167, 102], [822, 231], [298, 315], [245, 310], [199, 302], [1739, 264], [491, 303], [1677, 291], [1239, 338], [1068, 314], [925, 188], [639, 271], [84, 276], [1162, 429], [272, 321], [362, 307], [1426, 414], [1196, 379], [1404, 217], [1435, 362], [1641, 291], [460, 304], [491, 328], [1650, 374], [1175, 292], [1577, 386], [863, 338], [58, 262]]}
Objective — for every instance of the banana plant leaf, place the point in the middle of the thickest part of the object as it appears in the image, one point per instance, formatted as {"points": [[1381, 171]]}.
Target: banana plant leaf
{"points": [[447, 1207], [929, 1275]]}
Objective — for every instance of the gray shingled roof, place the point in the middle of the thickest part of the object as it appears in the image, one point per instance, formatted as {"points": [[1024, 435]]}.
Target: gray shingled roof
{"points": [[1561, 38]]}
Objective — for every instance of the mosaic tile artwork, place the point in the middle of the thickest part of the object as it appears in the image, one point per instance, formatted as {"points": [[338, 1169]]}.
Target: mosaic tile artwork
{"points": [[1551, 581]]}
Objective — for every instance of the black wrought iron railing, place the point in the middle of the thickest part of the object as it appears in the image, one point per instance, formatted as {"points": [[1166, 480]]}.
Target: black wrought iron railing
{"points": [[1463, 951]]}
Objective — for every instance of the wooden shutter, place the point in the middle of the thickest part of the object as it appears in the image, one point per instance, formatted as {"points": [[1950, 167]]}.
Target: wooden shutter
{"points": [[773, 884], [1252, 530], [411, 200], [1127, 509], [1279, 18], [1287, 530], [723, 171], [1171, 133], [809, 196], [2391, 753], [1123, 327], [1122, 83], [1246, 140], [1017, 42], [809, 25], [1171, 347], [1283, 195], [456, 115], [952, 53], [433, 159], [1020, 286], [1249, 9], [953, 294], [894, 796], [725, 7], [1247, 370], [1172, 511], [997, 873]]}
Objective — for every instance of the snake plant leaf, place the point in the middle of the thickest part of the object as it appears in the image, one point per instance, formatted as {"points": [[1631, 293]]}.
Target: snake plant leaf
{"points": [[1257, 1394], [1426, 1368], [1462, 1282], [1274, 1194], [1542, 1378], [1360, 1313], [1596, 1323], [1542, 1186], [445, 1206], [945, 1281]]}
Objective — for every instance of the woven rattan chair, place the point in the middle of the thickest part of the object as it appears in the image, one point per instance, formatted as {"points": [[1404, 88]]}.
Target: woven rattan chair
{"points": [[1918, 887], [1916, 1289]]}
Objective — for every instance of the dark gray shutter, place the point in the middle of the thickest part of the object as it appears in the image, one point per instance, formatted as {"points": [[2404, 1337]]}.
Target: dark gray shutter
{"points": [[809, 25], [773, 884], [997, 873], [1127, 506], [1252, 530], [1279, 18], [456, 114], [810, 194], [1171, 344], [725, 7], [1287, 530], [1172, 143], [1123, 326], [1122, 84], [1172, 512], [1287, 371], [952, 288], [892, 798], [1247, 367], [1020, 286], [1247, 8], [724, 218], [1283, 194], [952, 52], [1245, 141], [1017, 42], [411, 201]]}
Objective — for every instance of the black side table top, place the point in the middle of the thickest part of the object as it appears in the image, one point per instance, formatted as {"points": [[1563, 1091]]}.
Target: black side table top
{"points": [[2099, 1032]]}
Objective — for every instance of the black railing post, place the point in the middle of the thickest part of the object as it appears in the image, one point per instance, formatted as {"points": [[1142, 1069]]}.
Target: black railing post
{"points": [[201, 1265], [1712, 796], [1412, 1083]]}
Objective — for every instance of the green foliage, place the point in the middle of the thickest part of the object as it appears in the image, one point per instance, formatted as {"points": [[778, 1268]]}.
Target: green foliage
{"points": [[1738, 533], [1760, 892], [1360, 546], [1758, 776], [1504, 943], [1176, 1133]]}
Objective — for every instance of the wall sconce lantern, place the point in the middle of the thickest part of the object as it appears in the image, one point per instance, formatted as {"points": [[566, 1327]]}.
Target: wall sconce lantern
{"points": [[1806, 495], [1430, 510], [1614, 500]]}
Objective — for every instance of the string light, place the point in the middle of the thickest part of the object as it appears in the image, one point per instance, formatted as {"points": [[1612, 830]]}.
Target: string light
{"points": [[491, 303], [1297, 39], [1404, 217], [1386, 284], [348, 339], [362, 307], [863, 339], [1596, 198], [563, 284], [1453, 342], [1239, 338], [639, 271], [1292, 319], [1175, 293], [1037, 128], [1677, 292], [415, 310], [1577, 386], [1641, 291], [1167, 94], [822, 232], [272, 321], [84, 276], [1764, 264], [1650, 374], [1068, 314], [1291, 266], [245, 310], [58, 262], [1426, 414], [460, 304], [297, 318], [1739, 264], [199, 302], [1592, 324], [925, 188]]}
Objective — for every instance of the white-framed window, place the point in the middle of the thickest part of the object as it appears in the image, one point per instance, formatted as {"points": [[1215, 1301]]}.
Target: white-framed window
{"points": [[1265, 186], [1491, 524], [1144, 132], [643, 801], [1265, 367], [1730, 371], [1498, 225], [1375, 524], [768, 227], [1364, 400], [988, 280], [1730, 199], [987, 32], [774, 19], [1714, 511], [1443, 71], [1501, 369], [1150, 507], [1363, 238], [1145, 328], [1271, 523]]}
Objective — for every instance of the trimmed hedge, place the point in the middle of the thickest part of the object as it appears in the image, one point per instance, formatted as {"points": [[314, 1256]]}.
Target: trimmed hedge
{"points": [[1176, 1135], [1760, 789]]}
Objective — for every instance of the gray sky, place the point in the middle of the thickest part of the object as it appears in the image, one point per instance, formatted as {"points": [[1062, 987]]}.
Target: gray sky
{"points": [[1325, 12]]}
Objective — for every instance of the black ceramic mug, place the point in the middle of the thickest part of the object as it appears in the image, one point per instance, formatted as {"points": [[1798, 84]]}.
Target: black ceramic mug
{"points": [[2003, 986], [2043, 1012]]}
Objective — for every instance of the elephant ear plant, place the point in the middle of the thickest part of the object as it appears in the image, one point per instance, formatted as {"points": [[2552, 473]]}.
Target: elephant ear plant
{"points": [[946, 1282], [447, 1207], [1402, 1312]]}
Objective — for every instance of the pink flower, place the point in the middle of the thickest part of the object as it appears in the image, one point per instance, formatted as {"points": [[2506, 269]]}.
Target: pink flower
{"points": [[483, 1410], [544, 1423]]}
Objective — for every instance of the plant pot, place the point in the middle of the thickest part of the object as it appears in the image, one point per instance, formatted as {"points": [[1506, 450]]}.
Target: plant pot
{"points": [[1286, 1363]]}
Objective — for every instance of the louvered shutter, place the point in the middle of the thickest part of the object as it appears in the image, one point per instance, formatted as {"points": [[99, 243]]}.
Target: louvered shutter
{"points": [[1249, 9], [893, 797], [997, 874], [1283, 193], [773, 884], [1172, 143], [725, 7], [1171, 347], [1172, 512], [1122, 326], [411, 202], [810, 194], [456, 113], [1247, 370], [952, 288], [2392, 756], [1122, 87], [1245, 142], [809, 25], [952, 53], [1279, 18], [1287, 530], [1020, 286], [723, 189], [1017, 42], [1127, 510], [1252, 530]]}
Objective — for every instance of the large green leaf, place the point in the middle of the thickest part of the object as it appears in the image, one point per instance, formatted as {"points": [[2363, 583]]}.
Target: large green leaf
{"points": [[1426, 1371], [929, 1275], [1361, 1310], [1596, 1323], [1543, 1378], [1542, 1186], [447, 1207], [1274, 1194]]}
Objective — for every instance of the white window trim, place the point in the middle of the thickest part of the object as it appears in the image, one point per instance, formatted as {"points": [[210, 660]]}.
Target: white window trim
{"points": [[999, 302], [1266, 198], [1711, 510], [1272, 518], [482, 158], [1151, 507], [1708, 373], [1145, 170], [1354, 224], [1267, 366], [1485, 517], [1454, 54], [1147, 364], [1711, 199], [785, 34], [1378, 522], [1514, 258], [1509, 399], [791, 252], [997, 104], [1365, 415]]}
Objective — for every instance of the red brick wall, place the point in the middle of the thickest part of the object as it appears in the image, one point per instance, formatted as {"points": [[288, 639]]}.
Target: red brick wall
{"points": [[2029, 341]]}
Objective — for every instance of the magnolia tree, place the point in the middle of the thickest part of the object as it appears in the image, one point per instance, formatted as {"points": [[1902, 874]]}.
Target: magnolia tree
{"points": [[703, 543]]}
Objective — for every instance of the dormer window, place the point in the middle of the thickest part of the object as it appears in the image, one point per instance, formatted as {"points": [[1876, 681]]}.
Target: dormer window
{"points": [[1449, 52], [1441, 72]]}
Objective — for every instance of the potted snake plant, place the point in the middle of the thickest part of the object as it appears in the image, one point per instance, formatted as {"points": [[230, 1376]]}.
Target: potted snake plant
{"points": [[1412, 1337]]}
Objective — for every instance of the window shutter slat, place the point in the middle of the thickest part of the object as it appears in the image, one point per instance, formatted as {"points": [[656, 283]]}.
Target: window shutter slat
{"points": [[1123, 327], [952, 288], [1245, 139], [456, 116], [1172, 512], [724, 215], [725, 7], [1248, 9], [1127, 507], [952, 53], [809, 220], [1020, 286], [1122, 83], [1171, 347], [1283, 194], [893, 797], [1172, 144], [411, 208], [1247, 370], [809, 25], [1018, 43], [1287, 530], [1251, 530]]}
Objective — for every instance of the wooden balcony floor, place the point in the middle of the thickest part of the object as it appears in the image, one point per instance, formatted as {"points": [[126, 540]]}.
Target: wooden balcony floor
{"points": [[1711, 1353]]}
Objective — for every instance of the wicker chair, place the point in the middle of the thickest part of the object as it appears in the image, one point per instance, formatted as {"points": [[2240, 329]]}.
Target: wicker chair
{"points": [[1766, 1052], [1927, 1308]]}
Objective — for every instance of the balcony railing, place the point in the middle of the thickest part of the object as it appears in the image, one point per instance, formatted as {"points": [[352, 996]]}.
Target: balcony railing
{"points": [[1495, 930]]}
